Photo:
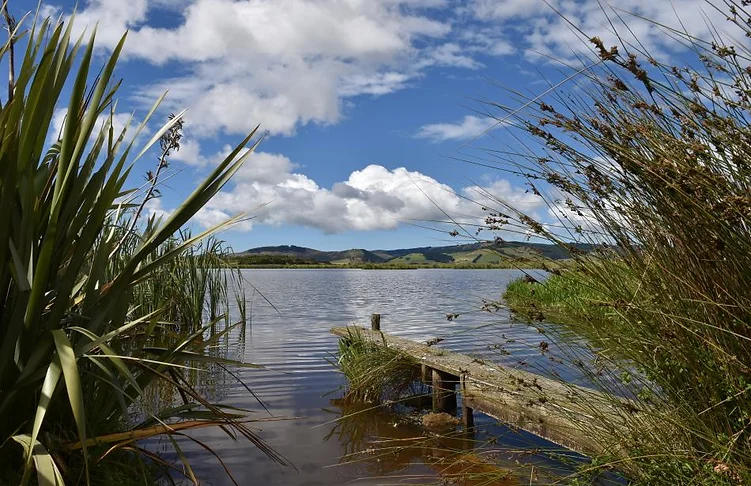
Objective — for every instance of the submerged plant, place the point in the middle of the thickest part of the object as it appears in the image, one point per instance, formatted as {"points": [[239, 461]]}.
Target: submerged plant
{"points": [[75, 265]]}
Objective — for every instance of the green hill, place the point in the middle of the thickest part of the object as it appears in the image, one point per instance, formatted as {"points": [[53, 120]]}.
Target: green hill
{"points": [[317, 256], [410, 258], [482, 253]]}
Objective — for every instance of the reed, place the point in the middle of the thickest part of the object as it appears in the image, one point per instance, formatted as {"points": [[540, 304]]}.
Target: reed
{"points": [[201, 284], [649, 160]]}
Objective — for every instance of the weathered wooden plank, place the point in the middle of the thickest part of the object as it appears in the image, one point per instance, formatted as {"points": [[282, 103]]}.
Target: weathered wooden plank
{"points": [[563, 413]]}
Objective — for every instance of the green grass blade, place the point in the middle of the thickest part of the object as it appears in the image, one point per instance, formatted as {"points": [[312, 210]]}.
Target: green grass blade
{"points": [[158, 135], [20, 272], [73, 385], [48, 389], [48, 473]]}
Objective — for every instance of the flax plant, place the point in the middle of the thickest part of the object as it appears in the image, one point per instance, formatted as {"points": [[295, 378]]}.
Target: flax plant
{"points": [[76, 265], [650, 160]]}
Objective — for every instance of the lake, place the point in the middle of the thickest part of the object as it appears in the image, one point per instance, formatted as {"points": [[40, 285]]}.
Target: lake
{"points": [[291, 340]]}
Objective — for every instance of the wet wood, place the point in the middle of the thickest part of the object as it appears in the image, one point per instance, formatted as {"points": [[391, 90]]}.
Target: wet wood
{"points": [[444, 391], [375, 322], [563, 413], [468, 415], [426, 374]]}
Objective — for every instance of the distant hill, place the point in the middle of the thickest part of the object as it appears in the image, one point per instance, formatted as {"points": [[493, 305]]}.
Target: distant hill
{"points": [[310, 254], [471, 253]]}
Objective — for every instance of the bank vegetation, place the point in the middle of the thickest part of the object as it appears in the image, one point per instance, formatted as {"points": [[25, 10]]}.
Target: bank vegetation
{"points": [[651, 157]]}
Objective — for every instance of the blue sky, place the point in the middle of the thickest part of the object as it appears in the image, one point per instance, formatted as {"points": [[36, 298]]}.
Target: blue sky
{"points": [[366, 102]]}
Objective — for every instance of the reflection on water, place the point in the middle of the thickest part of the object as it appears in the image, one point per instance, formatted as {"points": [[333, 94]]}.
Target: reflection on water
{"points": [[292, 341], [389, 444]]}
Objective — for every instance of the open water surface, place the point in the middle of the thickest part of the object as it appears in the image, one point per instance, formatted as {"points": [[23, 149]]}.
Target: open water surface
{"points": [[292, 341]]}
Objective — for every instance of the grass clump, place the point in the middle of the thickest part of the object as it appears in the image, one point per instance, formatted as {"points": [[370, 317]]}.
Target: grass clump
{"points": [[649, 160], [201, 284], [375, 372], [557, 299]]}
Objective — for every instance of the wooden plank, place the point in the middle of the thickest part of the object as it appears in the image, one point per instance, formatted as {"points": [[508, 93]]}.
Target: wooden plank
{"points": [[563, 413]]}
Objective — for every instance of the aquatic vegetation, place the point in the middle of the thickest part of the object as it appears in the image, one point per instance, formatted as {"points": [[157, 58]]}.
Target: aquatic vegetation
{"points": [[650, 161], [200, 285], [78, 261], [375, 373]]}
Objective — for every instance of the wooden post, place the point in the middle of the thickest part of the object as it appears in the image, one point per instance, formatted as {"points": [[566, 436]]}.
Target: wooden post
{"points": [[375, 322], [444, 392], [426, 374], [468, 417]]}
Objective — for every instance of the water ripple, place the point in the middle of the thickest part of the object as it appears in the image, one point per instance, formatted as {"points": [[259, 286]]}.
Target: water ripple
{"points": [[292, 341]]}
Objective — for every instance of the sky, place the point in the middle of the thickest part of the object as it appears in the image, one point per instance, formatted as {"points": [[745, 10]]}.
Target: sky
{"points": [[371, 108]]}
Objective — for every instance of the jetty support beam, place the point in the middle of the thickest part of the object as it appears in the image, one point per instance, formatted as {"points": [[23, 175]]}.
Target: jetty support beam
{"points": [[444, 391], [426, 374], [468, 416], [375, 322]]}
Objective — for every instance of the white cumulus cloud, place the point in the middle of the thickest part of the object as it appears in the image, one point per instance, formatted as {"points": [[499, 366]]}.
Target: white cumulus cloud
{"points": [[269, 189], [283, 63]]}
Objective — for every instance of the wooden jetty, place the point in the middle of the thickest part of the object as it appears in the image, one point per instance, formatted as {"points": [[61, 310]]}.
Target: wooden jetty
{"points": [[562, 413]]}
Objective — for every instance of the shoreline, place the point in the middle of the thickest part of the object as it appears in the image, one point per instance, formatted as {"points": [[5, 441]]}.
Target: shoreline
{"points": [[519, 266]]}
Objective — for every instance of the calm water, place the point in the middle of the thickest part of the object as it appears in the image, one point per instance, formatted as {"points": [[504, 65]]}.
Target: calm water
{"points": [[292, 341]]}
